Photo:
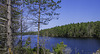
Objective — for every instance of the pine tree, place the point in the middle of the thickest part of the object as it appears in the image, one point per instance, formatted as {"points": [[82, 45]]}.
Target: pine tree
{"points": [[43, 12]]}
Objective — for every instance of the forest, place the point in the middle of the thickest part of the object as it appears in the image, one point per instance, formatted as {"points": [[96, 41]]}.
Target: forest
{"points": [[18, 18], [79, 30]]}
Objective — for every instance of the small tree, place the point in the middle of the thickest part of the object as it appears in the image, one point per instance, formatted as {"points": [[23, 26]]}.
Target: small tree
{"points": [[59, 48]]}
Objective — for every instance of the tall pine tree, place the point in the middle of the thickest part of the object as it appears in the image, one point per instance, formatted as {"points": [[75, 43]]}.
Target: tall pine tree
{"points": [[42, 11]]}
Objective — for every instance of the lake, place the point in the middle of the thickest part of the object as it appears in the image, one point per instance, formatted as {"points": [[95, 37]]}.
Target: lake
{"points": [[75, 45]]}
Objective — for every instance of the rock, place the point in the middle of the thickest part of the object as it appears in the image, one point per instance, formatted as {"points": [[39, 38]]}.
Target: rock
{"points": [[97, 52]]}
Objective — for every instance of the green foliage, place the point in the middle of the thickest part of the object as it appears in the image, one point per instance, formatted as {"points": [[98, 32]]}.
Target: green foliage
{"points": [[27, 50], [30, 50], [78, 53], [83, 30], [28, 41], [59, 48], [24, 50], [40, 50]]}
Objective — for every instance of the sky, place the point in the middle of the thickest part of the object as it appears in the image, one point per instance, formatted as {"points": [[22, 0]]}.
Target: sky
{"points": [[74, 11]]}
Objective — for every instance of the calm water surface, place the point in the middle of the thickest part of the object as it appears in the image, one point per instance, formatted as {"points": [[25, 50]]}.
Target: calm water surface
{"points": [[84, 46]]}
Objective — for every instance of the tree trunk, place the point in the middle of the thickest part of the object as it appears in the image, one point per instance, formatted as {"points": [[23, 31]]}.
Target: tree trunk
{"points": [[21, 27], [9, 32], [21, 36], [38, 30], [43, 50]]}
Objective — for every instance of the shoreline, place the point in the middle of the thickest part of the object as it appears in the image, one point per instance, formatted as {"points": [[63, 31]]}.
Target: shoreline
{"points": [[69, 37]]}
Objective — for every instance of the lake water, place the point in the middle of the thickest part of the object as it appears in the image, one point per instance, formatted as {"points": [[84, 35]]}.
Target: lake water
{"points": [[75, 45]]}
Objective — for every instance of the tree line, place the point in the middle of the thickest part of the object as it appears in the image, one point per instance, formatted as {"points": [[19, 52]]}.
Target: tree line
{"points": [[87, 29]]}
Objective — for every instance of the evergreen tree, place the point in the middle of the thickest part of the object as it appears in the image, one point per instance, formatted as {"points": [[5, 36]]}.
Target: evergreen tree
{"points": [[43, 12]]}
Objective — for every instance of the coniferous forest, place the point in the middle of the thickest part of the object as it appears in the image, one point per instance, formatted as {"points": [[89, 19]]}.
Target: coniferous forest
{"points": [[83, 30], [21, 32]]}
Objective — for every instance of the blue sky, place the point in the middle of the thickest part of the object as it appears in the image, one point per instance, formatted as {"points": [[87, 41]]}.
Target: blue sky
{"points": [[74, 11]]}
